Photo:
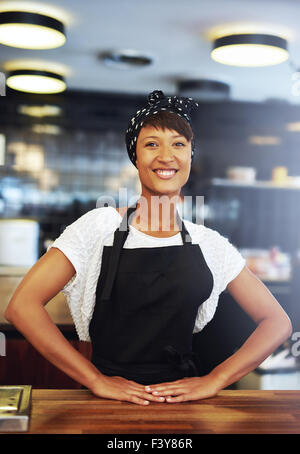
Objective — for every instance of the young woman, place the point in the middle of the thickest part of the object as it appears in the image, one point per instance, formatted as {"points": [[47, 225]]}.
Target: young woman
{"points": [[140, 281]]}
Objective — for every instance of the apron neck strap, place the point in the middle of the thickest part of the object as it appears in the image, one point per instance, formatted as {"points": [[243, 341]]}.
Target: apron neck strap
{"points": [[124, 226]]}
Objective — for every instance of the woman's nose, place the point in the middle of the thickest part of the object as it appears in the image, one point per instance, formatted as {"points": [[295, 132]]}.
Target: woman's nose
{"points": [[166, 153]]}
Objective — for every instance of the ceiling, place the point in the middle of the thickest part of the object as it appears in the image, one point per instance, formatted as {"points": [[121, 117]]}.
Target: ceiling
{"points": [[178, 35]]}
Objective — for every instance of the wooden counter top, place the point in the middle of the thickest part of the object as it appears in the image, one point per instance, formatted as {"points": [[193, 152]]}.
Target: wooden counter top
{"points": [[230, 412]]}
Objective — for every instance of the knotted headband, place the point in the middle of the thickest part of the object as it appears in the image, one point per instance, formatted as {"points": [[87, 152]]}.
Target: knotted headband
{"points": [[157, 102]]}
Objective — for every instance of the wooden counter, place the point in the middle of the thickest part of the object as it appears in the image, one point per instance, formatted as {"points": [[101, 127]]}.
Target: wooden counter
{"points": [[231, 412]]}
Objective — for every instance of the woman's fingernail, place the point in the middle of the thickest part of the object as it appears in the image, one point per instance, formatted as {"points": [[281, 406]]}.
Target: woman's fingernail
{"points": [[148, 388]]}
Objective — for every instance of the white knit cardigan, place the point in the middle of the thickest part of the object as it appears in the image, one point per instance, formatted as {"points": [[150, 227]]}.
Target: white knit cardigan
{"points": [[82, 243]]}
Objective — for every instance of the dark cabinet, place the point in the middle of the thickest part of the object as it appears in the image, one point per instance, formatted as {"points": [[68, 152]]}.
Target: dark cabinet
{"points": [[24, 365]]}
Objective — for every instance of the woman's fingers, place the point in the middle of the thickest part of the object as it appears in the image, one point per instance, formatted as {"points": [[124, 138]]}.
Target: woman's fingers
{"points": [[136, 400], [163, 386], [181, 398], [159, 386], [147, 396], [169, 392], [139, 390], [159, 389], [136, 391]]}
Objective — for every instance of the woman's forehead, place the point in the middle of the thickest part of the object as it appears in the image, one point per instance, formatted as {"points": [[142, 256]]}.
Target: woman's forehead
{"points": [[151, 131]]}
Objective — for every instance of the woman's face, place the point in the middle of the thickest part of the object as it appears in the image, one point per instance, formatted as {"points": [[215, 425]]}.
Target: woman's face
{"points": [[163, 160]]}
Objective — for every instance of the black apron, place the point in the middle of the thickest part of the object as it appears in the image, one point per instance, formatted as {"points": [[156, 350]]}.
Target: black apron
{"points": [[147, 301]]}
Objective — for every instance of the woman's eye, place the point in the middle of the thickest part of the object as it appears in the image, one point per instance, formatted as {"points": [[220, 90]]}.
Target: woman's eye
{"points": [[180, 144], [150, 144]]}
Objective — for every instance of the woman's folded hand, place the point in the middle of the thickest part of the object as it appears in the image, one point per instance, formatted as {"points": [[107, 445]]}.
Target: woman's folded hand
{"points": [[120, 388], [189, 388]]}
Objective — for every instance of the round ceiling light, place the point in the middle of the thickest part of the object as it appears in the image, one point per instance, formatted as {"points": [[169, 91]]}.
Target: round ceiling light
{"points": [[28, 30], [250, 49], [36, 81]]}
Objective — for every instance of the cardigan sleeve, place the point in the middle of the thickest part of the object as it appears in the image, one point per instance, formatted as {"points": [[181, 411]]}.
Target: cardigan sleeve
{"points": [[233, 263], [76, 242], [81, 242], [70, 244]]}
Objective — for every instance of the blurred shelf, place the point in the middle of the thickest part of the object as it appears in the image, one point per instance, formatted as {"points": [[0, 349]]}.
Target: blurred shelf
{"points": [[256, 184]]}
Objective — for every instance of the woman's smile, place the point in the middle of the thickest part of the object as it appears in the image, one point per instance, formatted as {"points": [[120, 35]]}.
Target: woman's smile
{"points": [[165, 174]]}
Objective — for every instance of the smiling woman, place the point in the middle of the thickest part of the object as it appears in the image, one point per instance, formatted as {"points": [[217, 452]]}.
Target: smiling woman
{"points": [[162, 155], [140, 283]]}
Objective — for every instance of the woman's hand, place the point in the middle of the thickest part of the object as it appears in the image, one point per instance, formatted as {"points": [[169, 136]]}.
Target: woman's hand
{"points": [[192, 388], [120, 388]]}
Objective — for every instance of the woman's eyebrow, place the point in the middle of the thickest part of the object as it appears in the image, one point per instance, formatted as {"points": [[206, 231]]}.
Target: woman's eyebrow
{"points": [[157, 137], [151, 137]]}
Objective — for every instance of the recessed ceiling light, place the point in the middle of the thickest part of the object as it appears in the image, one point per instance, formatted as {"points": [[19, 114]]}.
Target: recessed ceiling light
{"points": [[250, 49], [125, 59], [35, 81], [30, 30]]}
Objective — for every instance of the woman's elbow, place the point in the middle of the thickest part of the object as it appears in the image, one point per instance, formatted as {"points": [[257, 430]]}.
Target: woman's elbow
{"points": [[289, 328], [15, 308], [286, 327], [10, 311], [8, 314]]}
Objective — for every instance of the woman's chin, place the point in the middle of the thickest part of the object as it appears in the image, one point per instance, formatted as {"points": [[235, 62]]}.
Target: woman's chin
{"points": [[166, 188]]}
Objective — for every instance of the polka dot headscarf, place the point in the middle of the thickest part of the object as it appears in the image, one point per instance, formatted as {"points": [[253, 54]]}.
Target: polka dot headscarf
{"points": [[157, 101]]}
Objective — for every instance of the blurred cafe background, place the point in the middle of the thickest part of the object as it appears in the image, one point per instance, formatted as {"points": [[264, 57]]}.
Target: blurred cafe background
{"points": [[73, 73]]}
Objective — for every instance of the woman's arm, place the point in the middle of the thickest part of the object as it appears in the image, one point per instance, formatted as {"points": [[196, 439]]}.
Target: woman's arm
{"points": [[27, 313], [273, 328]]}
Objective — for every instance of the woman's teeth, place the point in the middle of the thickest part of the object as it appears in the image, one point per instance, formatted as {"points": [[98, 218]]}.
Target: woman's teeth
{"points": [[165, 173]]}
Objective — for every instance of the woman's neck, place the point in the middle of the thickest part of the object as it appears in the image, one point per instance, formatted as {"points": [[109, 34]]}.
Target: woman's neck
{"points": [[157, 215]]}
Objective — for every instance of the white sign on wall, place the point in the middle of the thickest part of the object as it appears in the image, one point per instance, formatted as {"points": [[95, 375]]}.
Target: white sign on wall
{"points": [[2, 85], [2, 149]]}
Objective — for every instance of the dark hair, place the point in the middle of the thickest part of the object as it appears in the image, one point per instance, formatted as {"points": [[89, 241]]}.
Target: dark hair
{"points": [[169, 120]]}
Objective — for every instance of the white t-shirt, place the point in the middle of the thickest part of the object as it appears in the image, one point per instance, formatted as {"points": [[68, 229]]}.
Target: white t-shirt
{"points": [[82, 243]]}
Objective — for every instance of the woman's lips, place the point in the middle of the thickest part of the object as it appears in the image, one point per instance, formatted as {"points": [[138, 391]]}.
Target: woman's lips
{"points": [[165, 174]]}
